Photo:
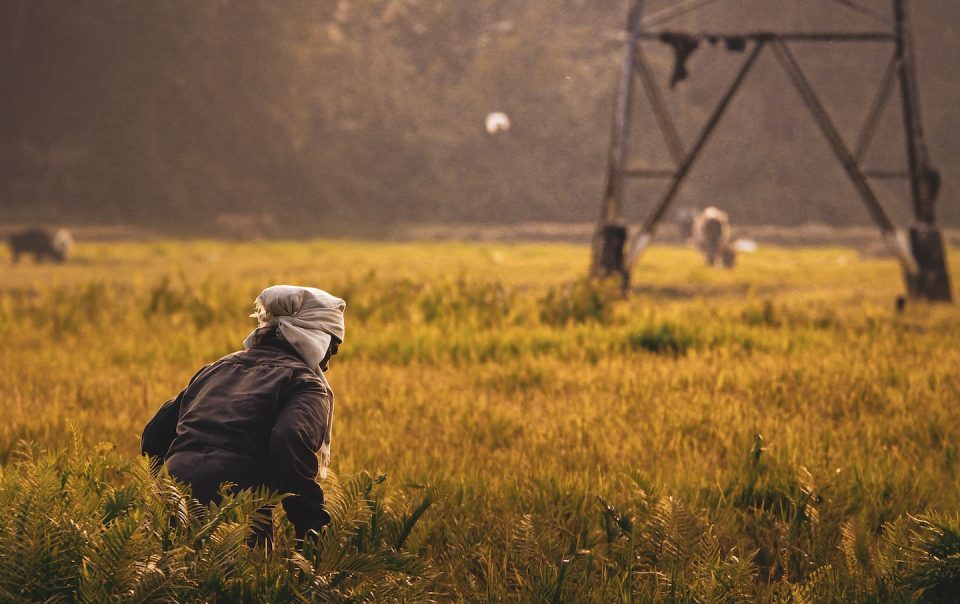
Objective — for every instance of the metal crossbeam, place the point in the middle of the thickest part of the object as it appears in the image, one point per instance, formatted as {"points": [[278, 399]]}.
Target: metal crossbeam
{"points": [[887, 174], [799, 36]]}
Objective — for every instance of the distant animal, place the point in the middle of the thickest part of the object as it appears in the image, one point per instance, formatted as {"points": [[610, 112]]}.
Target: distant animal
{"points": [[711, 235], [684, 219], [44, 244]]}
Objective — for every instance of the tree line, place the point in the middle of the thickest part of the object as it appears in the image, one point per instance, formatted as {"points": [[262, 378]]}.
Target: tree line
{"points": [[350, 116]]}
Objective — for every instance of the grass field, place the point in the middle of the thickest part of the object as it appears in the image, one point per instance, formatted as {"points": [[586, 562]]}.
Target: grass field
{"points": [[771, 433]]}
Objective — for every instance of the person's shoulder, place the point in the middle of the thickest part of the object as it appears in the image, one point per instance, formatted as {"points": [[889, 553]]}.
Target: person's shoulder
{"points": [[306, 376], [230, 357], [233, 357], [303, 379], [265, 356]]}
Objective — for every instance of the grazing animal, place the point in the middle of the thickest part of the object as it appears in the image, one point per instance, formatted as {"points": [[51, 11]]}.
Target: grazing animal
{"points": [[684, 220], [711, 234], [42, 243]]}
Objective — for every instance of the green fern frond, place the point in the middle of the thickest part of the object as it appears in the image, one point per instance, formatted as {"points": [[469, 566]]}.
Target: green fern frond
{"points": [[671, 533], [932, 557], [821, 585], [113, 561], [89, 526]]}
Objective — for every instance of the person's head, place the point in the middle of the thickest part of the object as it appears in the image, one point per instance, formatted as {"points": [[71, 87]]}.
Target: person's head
{"points": [[332, 351], [309, 319]]}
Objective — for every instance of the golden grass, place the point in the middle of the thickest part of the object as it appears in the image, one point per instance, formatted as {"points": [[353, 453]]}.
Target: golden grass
{"points": [[489, 371]]}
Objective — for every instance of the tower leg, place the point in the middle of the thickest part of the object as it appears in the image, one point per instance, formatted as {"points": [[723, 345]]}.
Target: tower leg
{"points": [[609, 246], [611, 234], [931, 281]]}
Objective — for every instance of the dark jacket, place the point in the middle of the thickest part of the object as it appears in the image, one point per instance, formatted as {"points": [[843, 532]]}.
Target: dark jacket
{"points": [[253, 418]]}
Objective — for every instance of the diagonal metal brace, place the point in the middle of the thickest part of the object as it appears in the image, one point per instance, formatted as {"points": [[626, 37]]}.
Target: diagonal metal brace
{"points": [[660, 111], [865, 10], [849, 163], [644, 236], [876, 110]]}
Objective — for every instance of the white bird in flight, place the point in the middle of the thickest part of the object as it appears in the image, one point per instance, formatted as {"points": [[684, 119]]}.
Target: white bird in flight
{"points": [[497, 122]]}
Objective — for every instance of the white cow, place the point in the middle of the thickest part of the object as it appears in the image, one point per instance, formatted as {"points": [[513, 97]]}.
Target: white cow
{"points": [[711, 235]]}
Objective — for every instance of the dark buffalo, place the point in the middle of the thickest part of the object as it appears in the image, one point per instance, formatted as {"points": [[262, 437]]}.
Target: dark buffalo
{"points": [[684, 219], [42, 243]]}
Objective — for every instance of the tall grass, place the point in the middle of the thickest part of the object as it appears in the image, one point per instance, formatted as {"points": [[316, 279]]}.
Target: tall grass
{"points": [[544, 439], [94, 526]]}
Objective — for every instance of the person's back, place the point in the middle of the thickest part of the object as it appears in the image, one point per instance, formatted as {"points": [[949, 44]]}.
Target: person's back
{"points": [[254, 418]]}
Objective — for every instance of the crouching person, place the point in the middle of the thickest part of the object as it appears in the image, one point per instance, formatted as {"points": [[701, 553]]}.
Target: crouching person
{"points": [[261, 416]]}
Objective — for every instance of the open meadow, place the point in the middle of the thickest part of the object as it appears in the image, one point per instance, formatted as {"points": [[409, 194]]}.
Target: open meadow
{"points": [[504, 430]]}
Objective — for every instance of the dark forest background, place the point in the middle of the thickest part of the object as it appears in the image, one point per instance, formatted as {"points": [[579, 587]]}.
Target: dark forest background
{"points": [[354, 115]]}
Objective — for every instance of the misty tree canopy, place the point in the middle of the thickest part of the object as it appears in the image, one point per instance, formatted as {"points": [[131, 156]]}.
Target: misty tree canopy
{"points": [[339, 115]]}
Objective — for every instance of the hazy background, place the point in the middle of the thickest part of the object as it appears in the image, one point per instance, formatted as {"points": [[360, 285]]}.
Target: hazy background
{"points": [[352, 116]]}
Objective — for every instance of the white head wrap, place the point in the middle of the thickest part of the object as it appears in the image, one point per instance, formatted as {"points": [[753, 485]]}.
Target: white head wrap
{"points": [[306, 317]]}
